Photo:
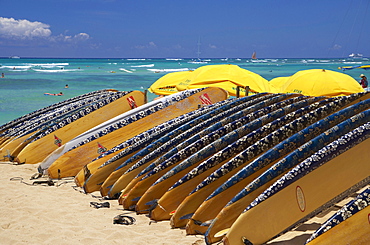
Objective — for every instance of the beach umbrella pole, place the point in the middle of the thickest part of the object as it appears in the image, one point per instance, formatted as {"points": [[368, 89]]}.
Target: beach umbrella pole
{"points": [[145, 96], [238, 90]]}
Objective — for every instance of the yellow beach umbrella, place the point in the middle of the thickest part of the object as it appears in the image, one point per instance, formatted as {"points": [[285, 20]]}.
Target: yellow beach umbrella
{"points": [[227, 77], [277, 82], [320, 82], [166, 84]]}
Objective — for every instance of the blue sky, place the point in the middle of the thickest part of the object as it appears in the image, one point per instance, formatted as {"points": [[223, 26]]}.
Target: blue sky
{"points": [[171, 28]]}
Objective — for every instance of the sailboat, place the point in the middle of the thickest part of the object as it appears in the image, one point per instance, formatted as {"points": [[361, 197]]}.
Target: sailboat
{"points": [[198, 60], [254, 56], [255, 60]]}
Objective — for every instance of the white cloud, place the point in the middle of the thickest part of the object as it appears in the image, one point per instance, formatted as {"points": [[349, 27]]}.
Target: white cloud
{"points": [[82, 36], [11, 28], [23, 29], [177, 46], [149, 45], [67, 38], [336, 47], [140, 47]]}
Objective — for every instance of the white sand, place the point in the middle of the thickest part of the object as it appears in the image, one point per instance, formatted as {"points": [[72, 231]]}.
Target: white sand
{"points": [[61, 214]]}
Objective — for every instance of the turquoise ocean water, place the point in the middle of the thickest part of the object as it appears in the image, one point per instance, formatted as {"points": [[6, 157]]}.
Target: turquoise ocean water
{"points": [[26, 80]]}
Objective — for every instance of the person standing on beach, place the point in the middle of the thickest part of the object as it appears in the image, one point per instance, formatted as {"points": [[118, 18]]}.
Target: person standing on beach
{"points": [[364, 83]]}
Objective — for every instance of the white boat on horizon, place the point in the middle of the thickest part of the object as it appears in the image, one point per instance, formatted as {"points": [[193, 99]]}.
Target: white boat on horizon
{"points": [[355, 56], [198, 60]]}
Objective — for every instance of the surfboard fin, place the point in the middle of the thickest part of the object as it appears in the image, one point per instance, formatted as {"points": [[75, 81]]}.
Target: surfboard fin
{"points": [[136, 199], [207, 223], [187, 216], [200, 223], [152, 202], [223, 232], [246, 241], [116, 196], [132, 207], [152, 205]]}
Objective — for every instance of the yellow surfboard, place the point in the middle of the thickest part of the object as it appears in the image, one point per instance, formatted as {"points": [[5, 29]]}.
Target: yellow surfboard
{"points": [[70, 163], [122, 181], [235, 207], [298, 200], [30, 125], [93, 181], [354, 230], [12, 143], [93, 184], [210, 208], [36, 151]]}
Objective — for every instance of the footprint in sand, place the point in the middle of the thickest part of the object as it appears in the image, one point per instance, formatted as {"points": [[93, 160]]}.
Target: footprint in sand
{"points": [[5, 226]]}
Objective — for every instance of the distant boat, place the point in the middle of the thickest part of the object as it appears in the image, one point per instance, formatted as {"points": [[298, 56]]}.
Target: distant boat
{"points": [[355, 56], [344, 68], [198, 60], [14, 57], [254, 56], [254, 59]]}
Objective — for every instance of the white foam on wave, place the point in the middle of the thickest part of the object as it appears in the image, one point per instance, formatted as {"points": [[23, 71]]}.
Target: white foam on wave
{"points": [[17, 67], [259, 61], [122, 69], [168, 70], [198, 62], [353, 62], [150, 65], [49, 64], [59, 70], [135, 59], [33, 65]]}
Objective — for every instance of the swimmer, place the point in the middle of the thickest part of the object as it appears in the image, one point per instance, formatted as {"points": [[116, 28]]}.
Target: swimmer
{"points": [[60, 94]]}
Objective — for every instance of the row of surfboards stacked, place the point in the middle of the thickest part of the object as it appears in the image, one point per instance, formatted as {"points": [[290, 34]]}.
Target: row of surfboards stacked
{"points": [[242, 170]]}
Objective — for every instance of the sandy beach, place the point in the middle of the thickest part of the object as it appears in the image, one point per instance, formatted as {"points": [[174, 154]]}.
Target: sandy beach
{"points": [[62, 214]]}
